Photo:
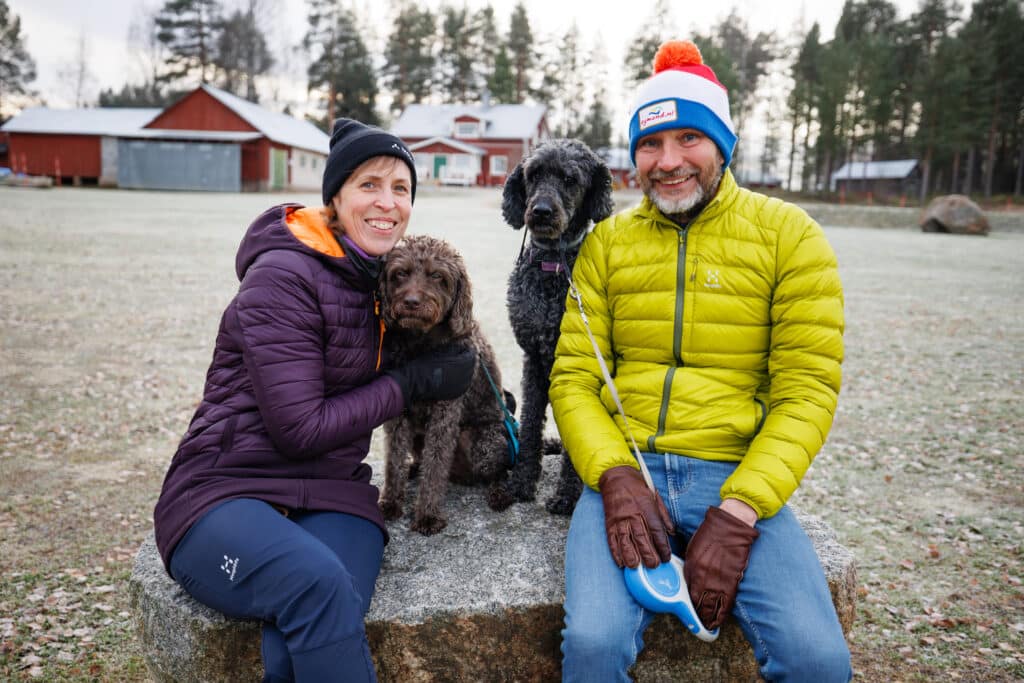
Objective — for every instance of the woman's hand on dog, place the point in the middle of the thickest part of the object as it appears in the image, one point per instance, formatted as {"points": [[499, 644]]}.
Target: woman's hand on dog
{"points": [[440, 375]]}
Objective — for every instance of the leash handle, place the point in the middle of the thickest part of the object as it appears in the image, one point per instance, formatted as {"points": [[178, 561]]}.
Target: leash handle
{"points": [[575, 293]]}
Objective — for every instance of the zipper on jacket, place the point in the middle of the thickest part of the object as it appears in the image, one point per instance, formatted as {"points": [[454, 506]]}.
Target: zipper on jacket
{"points": [[677, 329], [380, 334], [677, 337]]}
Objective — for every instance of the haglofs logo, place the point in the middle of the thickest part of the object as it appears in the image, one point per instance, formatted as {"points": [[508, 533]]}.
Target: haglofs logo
{"points": [[657, 113], [229, 567], [401, 149], [711, 279]]}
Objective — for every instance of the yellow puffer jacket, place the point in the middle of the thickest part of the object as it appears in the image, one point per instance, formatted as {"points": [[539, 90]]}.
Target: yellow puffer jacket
{"points": [[724, 339]]}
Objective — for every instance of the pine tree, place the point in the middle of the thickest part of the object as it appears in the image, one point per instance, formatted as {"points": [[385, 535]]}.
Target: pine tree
{"points": [[549, 78], [995, 60], [342, 68], [189, 29], [17, 68], [456, 61], [568, 100], [520, 51], [802, 101], [596, 130], [501, 83], [485, 47], [654, 31], [242, 53], [936, 84], [409, 56], [740, 60]]}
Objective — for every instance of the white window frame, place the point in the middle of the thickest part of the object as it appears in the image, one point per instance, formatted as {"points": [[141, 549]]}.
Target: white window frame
{"points": [[467, 129]]}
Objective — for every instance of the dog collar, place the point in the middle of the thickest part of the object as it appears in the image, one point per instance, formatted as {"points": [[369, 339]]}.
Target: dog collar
{"points": [[551, 267]]}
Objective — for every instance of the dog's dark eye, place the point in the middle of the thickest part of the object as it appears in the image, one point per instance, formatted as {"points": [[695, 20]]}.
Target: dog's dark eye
{"points": [[399, 274], [568, 180], [436, 276]]}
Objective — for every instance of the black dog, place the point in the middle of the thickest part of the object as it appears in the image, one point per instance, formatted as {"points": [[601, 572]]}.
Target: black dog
{"points": [[555, 192]]}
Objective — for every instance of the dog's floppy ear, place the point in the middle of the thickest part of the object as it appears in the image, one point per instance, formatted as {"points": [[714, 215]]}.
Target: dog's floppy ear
{"points": [[513, 197], [460, 319], [597, 203]]}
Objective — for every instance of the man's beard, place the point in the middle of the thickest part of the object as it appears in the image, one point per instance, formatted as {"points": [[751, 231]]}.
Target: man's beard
{"points": [[689, 206]]}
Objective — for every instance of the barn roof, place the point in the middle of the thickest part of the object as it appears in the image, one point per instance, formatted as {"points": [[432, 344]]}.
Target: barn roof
{"points": [[278, 127], [194, 135], [114, 121], [873, 170], [501, 121], [448, 142]]}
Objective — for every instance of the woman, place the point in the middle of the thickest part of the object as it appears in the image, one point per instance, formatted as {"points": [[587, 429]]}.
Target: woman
{"points": [[267, 510]]}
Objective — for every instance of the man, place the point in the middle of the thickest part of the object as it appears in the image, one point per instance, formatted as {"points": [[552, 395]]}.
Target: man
{"points": [[720, 314]]}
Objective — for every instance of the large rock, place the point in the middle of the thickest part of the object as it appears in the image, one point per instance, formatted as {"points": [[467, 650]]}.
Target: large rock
{"points": [[482, 601], [954, 213]]}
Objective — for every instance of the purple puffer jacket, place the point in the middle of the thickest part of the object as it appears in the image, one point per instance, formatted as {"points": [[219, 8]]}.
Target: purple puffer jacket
{"points": [[294, 389]]}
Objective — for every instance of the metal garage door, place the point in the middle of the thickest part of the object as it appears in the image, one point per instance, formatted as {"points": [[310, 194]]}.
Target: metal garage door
{"points": [[153, 165]]}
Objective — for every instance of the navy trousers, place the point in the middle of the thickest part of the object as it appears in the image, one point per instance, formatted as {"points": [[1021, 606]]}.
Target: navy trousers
{"points": [[309, 576]]}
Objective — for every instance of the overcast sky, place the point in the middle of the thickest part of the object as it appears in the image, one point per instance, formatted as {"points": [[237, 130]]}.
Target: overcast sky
{"points": [[54, 29]]}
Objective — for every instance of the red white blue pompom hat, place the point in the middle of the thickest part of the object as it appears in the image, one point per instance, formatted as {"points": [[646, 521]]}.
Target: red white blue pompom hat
{"points": [[683, 93]]}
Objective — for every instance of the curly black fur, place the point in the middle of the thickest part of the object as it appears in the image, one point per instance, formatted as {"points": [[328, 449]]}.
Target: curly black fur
{"points": [[555, 192], [426, 304]]}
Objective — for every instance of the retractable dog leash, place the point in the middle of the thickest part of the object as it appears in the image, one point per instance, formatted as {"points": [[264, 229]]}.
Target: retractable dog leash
{"points": [[662, 589]]}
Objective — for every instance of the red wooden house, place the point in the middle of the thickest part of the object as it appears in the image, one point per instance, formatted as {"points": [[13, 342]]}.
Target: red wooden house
{"points": [[470, 144]]}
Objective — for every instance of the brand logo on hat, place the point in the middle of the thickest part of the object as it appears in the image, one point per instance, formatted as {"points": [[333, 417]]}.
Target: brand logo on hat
{"points": [[401, 149], [657, 113]]}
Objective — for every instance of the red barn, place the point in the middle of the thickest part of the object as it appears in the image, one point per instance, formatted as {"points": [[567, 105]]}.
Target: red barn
{"points": [[71, 144], [207, 140], [470, 144]]}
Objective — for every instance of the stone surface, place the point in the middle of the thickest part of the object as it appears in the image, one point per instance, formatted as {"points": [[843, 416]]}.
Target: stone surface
{"points": [[954, 213], [482, 601]]}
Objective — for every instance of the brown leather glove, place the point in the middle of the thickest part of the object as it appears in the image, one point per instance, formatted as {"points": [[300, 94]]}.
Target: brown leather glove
{"points": [[716, 558], [635, 519]]}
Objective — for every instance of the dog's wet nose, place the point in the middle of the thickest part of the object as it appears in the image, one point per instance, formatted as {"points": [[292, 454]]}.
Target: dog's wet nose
{"points": [[542, 210], [411, 302]]}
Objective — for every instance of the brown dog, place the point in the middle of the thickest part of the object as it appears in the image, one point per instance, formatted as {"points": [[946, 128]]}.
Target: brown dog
{"points": [[427, 304]]}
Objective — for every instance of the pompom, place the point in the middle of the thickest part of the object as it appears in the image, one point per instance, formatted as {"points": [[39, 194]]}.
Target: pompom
{"points": [[676, 53]]}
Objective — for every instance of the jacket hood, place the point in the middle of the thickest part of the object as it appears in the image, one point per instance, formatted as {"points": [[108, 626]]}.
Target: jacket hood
{"points": [[294, 227]]}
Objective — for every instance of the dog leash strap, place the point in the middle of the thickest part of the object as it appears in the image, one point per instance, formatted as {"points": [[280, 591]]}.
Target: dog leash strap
{"points": [[611, 384], [497, 394], [511, 425]]}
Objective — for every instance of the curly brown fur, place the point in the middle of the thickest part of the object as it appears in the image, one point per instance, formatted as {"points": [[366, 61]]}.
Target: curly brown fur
{"points": [[556, 192], [426, 304]]}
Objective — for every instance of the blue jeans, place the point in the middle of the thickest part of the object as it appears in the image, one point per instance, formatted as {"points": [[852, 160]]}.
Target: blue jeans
{"points": [[309, 576], [783, 606]]}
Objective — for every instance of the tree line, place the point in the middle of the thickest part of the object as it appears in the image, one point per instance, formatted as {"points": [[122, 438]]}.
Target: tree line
{"points": [[937, 86], [944, 85]]}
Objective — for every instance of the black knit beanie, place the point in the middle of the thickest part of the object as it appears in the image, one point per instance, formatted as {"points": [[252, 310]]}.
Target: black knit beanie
{"points": [[352, 143]]}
